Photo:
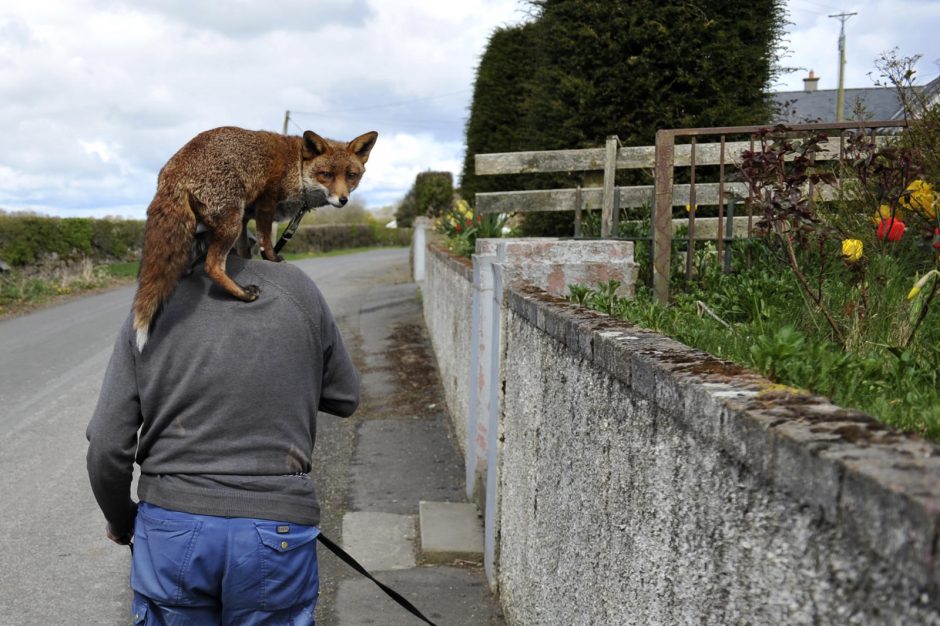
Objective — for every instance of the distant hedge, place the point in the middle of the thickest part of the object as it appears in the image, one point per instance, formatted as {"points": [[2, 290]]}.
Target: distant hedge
{"points": [[327, 237], [28, 239], [25, 240]]}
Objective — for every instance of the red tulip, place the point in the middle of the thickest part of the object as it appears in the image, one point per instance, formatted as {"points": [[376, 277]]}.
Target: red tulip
{"points": [[890, 229]]}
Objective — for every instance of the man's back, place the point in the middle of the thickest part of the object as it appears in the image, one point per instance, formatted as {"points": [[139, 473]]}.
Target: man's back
{"points": [[227, 394]]}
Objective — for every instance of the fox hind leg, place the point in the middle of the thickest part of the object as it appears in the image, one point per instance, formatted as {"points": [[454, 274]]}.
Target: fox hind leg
{"points": [[243, 243], [225, 232], [264, 222]]}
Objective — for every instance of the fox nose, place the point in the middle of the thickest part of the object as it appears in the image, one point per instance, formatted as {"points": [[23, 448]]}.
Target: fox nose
{"points": [[343, 200]]}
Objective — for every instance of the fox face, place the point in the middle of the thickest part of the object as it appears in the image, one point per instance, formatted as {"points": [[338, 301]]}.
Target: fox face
{"points": [[335, 168]]}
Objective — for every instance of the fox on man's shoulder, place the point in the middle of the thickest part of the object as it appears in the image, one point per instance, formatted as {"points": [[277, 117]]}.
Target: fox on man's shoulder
{"points": [[223, 178]]}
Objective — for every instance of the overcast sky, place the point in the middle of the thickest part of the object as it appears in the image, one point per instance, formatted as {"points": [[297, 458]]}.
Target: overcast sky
{"points": [[95, 95]]}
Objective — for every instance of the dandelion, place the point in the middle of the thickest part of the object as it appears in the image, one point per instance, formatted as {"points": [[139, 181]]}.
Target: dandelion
{"points": [[689, 208], [852, 250]]}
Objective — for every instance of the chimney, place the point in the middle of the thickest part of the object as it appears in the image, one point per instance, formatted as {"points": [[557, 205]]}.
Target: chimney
{"points": [[810, 82]]}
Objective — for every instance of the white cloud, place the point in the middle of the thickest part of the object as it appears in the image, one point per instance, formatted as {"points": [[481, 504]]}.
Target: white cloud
{"points": [[96, 95], [397, 159], [907, 25]]}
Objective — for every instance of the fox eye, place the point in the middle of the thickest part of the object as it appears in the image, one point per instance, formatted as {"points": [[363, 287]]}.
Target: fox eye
{"points": [[326, 175], [352, 175]]}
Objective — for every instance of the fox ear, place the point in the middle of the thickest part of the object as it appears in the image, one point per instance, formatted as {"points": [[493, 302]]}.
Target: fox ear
{"points": [[361, 146], [314, 145]]}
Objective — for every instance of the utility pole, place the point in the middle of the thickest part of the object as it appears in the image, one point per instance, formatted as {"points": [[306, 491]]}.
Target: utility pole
{"points": [[286, 120], [840, 96]]}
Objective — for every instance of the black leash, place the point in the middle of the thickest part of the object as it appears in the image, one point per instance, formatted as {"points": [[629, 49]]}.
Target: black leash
{"points": [[291, 228], [295, 221], [391, 593]]}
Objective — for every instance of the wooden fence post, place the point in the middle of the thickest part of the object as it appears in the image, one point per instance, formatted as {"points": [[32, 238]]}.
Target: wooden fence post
{"points": [[610, 174], [662, 214]]}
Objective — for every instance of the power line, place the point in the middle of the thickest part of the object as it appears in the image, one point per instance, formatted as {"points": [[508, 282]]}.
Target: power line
{"points": [[806, 9], [390, 104]]}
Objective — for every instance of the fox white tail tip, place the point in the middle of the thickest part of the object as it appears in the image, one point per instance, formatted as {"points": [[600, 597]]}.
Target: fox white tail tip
{"points": [[142, 335]]}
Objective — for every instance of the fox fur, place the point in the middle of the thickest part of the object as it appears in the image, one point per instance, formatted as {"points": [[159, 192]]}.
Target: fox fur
{"points": [[224, 177]]}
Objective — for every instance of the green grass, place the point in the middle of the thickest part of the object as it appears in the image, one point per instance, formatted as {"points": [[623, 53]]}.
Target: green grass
{"points": [[772, 327], [123, 270], [20, 293]]}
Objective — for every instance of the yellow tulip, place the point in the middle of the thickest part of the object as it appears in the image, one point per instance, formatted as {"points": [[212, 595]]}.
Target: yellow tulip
{"points": [[884, 213], [852, 250], [922, 198]]}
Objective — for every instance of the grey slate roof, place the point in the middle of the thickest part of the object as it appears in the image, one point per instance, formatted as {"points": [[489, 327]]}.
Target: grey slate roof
{"points": [[796, 107], [879, 103]]}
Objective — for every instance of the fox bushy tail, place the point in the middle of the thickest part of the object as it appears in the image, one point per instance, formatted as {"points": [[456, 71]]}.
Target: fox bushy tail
{"points": [[168, 237]]}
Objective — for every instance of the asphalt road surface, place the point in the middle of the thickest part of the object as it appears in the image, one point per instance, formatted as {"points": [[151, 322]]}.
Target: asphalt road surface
{"points": [[56, 566]]}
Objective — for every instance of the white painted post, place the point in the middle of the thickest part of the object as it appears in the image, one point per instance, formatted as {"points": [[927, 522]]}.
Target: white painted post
{"points": [[481, 342], [419, 244]]}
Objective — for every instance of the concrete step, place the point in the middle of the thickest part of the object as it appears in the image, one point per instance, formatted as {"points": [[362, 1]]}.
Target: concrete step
{"points": [[380, 541], [448, 596], [449, 532]]}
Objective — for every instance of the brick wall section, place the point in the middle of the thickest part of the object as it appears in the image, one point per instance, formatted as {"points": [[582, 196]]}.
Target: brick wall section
{"points": [[448, 293], [642, 482]]}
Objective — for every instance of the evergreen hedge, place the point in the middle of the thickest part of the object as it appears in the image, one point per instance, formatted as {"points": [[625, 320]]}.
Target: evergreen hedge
{"points": [[28, 239], [328, 237]]}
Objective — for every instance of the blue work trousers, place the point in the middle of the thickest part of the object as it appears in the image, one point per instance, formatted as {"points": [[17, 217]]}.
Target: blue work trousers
{"points": [[203, 569]]}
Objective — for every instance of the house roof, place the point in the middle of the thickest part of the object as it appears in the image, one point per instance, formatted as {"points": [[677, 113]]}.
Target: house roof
{"points": [[797, 107], [877, 103]]}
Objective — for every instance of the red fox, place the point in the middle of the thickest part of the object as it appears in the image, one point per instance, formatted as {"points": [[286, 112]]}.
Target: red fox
{"points": [[222, 178]]}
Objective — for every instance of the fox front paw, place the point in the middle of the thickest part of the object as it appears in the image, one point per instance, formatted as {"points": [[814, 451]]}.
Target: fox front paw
{"points": [[251, 292]]}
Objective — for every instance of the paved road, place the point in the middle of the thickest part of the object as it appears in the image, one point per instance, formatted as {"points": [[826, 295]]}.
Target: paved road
{"points": [[56, 567]]}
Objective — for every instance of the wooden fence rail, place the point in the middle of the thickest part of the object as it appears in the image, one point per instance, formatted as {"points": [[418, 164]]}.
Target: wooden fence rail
{"points": [[663, 195]]}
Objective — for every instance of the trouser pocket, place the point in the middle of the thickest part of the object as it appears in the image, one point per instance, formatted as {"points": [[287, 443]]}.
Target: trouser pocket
{"points": [[163, 549], [288, 564]]}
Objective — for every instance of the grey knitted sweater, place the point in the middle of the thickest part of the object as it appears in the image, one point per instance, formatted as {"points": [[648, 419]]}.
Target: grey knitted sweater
{"points": [[220, 408]]}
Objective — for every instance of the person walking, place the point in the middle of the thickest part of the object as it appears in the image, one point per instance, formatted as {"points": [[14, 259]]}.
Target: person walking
{"points": [[219, 411]]}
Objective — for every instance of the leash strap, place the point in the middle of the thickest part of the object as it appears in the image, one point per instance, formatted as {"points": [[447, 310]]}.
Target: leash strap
{"points": [[391, 593], [291, 228]]}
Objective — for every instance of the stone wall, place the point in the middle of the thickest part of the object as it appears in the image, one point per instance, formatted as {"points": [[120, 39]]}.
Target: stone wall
{"points": [[643, 482]]}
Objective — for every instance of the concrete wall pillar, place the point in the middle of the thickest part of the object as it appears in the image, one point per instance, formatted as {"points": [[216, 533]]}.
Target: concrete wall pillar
{"points": [[419, 245], [551, 264]]}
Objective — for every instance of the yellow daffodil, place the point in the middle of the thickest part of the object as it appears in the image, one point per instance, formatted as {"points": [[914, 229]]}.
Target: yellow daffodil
{"points": [[922, 198], [688, 208], [920, 284], [852, 250]]}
